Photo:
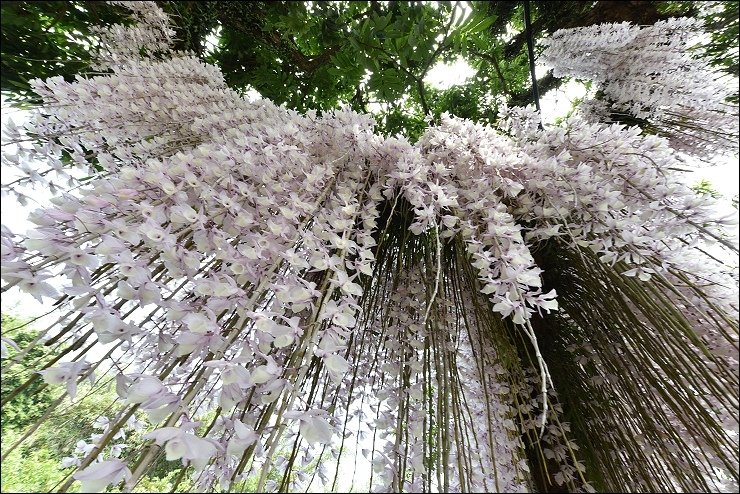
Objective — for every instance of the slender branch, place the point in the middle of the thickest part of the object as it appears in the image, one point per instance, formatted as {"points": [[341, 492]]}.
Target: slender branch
{"points": [[530, 50], [496, 65], [422, 96]]}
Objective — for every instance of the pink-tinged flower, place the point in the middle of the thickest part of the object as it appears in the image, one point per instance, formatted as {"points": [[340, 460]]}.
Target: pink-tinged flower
{"points": [[178, 443], [149, 293], [345, 317], [641, 272], [297, 295], [35, 286], [155, 399], [231, 372], [188, 342], [282, 335], [145, 389], [101, 422], [117, 449], [548, 301], [157, 409], [295, 259], [82, 258], [200, 323], [70, 461], [109, 327], [244, 436], [83, 448], [136, 275], [346, 285], [96, 477], [263, 373], [314, 426], [67, 373], [182, 213], [336, 363], [230, 395], [505, 306], [109, 246], [225, 288], [153, 231]]}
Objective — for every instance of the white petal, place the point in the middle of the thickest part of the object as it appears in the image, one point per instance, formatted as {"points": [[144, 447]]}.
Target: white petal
{"points": [[261, 375], [336, 363], [316, 430], [163, 435], [144, 389], [283, 340], [175, 448], [98, 476]]}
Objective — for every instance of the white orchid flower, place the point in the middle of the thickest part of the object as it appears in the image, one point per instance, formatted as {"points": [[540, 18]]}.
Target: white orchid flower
{"points": [[345, 283], [263, 373], [179, 443], [101, 422], [144, 389], [36, 287], [230, 395], [231, 372], [66, 373], [336, 363], [70, 461], [314, 427], [244, 436], [96, 477], [199, 323]]}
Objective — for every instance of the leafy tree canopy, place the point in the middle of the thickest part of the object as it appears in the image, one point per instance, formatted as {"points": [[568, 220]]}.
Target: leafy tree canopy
{"points": [[319, 55]]}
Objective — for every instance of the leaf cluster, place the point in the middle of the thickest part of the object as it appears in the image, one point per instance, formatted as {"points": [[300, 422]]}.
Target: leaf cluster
{"points": [[373, 56]]}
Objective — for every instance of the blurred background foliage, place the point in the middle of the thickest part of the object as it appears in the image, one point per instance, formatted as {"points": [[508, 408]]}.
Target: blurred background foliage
{"points": [[36, 465]]}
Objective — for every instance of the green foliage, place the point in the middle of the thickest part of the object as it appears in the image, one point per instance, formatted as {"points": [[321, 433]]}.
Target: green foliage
{"points": [[167, 483], [705, 187], [722, 21], [46, 39], [35, 465], [724, 26], [29, 469], [29, 405], [320, 55]]}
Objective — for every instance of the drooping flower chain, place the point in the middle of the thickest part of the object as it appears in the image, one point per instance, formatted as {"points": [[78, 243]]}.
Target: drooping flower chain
{"points": [[238, 237], [650, 73]]}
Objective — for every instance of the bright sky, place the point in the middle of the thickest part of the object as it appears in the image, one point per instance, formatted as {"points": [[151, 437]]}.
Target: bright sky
{"points": [[444, 76]]}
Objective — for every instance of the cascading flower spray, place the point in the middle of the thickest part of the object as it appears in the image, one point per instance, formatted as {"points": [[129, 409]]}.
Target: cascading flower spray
{"points": [[487, 309]]}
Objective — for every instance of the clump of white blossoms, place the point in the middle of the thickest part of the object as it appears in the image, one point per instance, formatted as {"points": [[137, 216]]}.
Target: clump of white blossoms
{"points": [[650, 73], [440, 307]]}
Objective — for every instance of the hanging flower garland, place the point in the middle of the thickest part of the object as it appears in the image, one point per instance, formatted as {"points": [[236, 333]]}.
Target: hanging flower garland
{"points": [[649, 73], [314, 284]]}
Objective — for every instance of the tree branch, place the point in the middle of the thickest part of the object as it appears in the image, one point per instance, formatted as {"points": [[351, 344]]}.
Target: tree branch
{"points": [[496, 65], [303, 62], [422, 96], [544, 84], [530, 52]]}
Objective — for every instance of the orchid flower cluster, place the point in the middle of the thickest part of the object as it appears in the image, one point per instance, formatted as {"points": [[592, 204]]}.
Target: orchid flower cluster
{"points": [[308, 284], [651, 74], [105, 471]]}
